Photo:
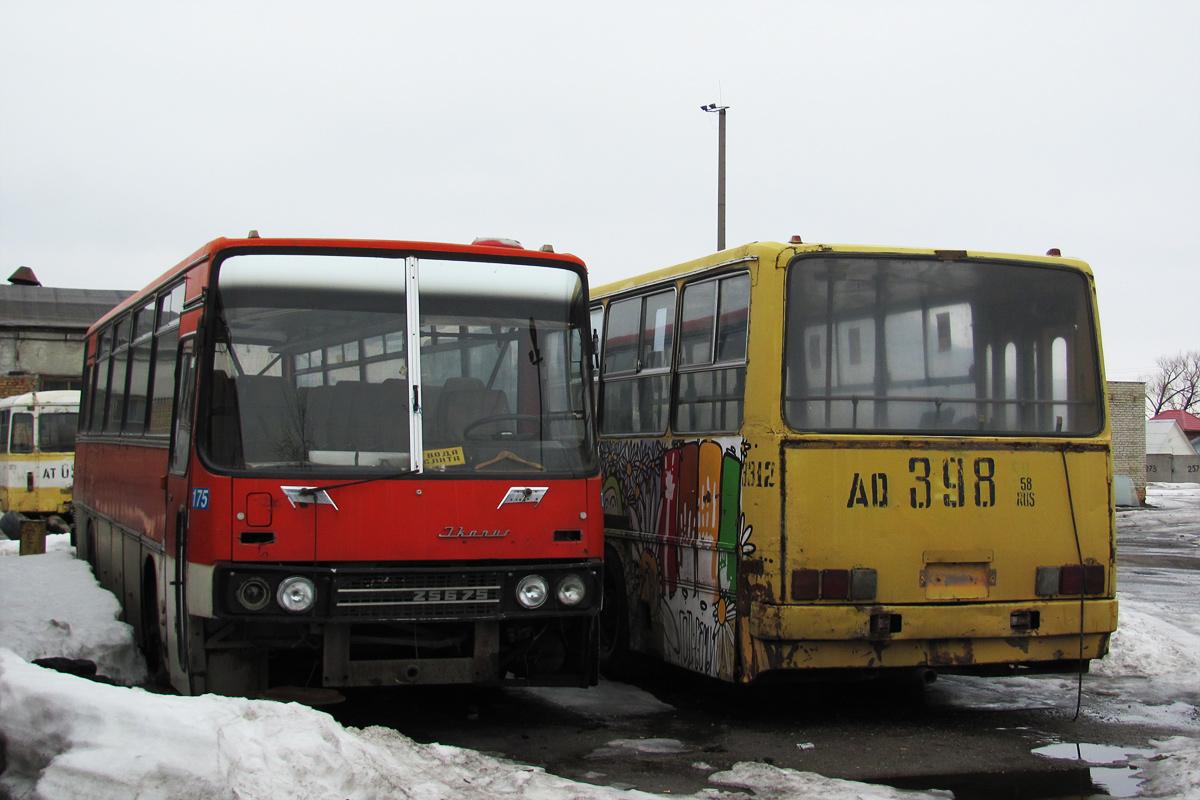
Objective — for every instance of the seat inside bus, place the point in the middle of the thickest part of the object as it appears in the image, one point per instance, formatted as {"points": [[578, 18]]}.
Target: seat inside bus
{"points": [[265, 419], [463, 401]]}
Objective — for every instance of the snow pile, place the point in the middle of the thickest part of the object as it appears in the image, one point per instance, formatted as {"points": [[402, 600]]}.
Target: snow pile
{"points": [[54, 542], [1175, 771], [82, 739], [1144, 645], [771, 783], [1171, 496], [54, 607]]}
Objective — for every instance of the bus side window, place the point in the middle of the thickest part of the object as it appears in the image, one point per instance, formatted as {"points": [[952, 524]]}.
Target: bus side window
{"points": [[4, 430], [185, 390], [712, 355], [638, 343]]}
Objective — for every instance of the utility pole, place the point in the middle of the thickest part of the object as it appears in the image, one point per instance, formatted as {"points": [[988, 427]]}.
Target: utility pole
{"points": [[720, 112]]}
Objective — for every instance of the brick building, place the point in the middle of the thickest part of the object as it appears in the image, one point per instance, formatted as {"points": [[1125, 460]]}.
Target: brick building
{"points": [[42, 331], [1127, 407]]}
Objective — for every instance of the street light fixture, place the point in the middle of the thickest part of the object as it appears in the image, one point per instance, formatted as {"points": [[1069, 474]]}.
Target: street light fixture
{"points": [[713, 108]]}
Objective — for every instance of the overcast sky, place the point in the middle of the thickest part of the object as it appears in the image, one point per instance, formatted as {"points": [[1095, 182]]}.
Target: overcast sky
{"points": [[133, 132]]}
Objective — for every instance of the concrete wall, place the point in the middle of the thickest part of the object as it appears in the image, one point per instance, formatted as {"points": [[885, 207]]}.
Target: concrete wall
{"points": [[27, 355], [1167, 468], [1127, 408]]}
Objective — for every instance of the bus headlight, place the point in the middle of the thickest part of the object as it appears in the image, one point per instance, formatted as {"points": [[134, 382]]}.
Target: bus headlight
{"points": [[254, 594], [571, 590], [296, 594], [532, 591]]}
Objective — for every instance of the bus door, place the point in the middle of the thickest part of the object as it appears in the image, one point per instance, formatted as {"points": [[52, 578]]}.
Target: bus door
{"points": [[179, 500]]}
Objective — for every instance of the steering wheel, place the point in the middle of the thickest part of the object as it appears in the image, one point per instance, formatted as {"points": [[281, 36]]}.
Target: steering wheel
{"points": [[500, 435]]}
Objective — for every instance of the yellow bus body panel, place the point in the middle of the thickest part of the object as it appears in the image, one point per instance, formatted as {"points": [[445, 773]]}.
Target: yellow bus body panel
{"points": [[910, 512]]}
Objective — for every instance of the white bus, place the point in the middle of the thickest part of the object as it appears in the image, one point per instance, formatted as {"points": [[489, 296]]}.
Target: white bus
{"points": [[37, 452]]}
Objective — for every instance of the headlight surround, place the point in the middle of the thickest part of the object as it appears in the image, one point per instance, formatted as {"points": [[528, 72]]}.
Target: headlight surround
{"points": [[296, 594], [571, 590], [532, 591], [254, 594]]}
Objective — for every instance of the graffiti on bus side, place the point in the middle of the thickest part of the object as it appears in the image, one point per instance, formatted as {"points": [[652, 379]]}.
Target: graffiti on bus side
{"points": [[685, 500]]}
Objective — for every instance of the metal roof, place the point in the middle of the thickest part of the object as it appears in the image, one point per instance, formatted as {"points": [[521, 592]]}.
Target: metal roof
{"points": [[45, 307], [1189, 422]]}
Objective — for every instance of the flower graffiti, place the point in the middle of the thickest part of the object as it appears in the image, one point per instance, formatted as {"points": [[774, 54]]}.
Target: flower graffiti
{"points": [[676, 512]]}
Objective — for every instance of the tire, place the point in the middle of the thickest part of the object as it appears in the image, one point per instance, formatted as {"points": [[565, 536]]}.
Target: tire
{"points": [[89, 555], [615, 657], [152, 643]]}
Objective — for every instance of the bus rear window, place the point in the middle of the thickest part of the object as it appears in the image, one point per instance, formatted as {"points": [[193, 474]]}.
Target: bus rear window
{"points": [[904, 344]]}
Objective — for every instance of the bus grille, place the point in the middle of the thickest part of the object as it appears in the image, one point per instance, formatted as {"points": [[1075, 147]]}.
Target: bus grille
{"points": [[416, 596]]}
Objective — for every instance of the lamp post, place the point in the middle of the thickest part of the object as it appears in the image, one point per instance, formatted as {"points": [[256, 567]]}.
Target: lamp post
{"points": [[720, 112]]}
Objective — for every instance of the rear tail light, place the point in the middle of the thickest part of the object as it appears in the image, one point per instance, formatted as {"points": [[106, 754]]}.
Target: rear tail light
{"points": [[834, 584], [1070, 579], [806, 584], [1094, 579]]}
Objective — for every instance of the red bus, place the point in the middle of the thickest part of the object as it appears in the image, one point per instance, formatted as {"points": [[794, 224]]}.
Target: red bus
{"points": [[331, 463]]}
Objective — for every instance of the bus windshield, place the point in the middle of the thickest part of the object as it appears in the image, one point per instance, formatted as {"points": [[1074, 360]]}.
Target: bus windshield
{"points": [[311, 368], [919, 344]]}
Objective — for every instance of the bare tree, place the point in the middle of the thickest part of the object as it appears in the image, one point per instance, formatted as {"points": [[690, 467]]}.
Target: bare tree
{"points": [[1175, 384]]}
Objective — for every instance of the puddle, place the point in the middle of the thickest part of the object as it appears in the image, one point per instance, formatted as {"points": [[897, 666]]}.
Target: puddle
{"points": [[1091, 753], [1077, 784], [1099, 771], [640, 748], [1117, 781]]}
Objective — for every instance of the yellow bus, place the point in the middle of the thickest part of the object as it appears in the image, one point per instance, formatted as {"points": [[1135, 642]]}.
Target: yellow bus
{"points": [[37, 452], [824, 459]]}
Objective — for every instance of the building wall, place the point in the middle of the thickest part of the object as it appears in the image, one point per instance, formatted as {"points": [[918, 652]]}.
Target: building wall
{"points": [[1127, 407], [12, 385], [32, 360]]}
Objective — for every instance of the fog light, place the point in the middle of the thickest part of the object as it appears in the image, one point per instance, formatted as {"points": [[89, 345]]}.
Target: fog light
{"points": [[296, 594], [571, 590], [532, 591], [254, 594]]}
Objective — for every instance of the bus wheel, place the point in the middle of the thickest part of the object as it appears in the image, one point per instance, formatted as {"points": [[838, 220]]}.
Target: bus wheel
{"points": [[152, 643], [89, 542], [614, 618]]}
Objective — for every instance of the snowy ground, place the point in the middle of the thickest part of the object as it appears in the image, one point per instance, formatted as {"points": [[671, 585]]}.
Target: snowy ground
{"points": [[68, 737]]}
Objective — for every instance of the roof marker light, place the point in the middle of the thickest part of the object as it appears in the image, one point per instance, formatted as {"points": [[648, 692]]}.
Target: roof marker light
{"points": [[1054, 251], [497, 241], [253, 234], [547, 248], [796, 240]]}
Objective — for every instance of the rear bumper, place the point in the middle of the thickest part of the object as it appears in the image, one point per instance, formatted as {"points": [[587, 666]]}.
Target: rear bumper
{"points": [[942, 636]]}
